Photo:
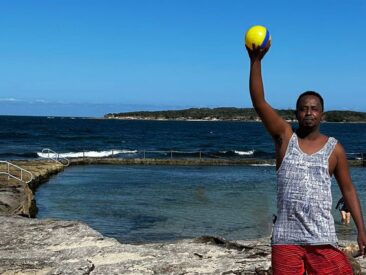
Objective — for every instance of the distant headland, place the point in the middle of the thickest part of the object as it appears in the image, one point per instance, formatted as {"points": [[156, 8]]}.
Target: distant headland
{"points": [[229, 113]]}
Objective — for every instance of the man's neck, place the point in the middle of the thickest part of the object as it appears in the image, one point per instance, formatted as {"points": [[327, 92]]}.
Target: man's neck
{"points": [[308, 133]]}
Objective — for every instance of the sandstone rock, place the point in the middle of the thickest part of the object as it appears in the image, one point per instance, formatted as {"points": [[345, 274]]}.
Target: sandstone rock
{"points": [[17, 197], [62, 247], [34, 246]]}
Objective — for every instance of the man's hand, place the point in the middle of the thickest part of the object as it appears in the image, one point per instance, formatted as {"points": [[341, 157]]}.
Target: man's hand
{"points": [[257, 53], [361, 240]]}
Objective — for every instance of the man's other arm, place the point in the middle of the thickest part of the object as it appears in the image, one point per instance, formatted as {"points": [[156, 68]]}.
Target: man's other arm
{"points": [[341, 173]]}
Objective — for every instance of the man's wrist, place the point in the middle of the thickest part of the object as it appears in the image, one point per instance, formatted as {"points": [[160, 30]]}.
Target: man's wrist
{"points": [[255, 61]]}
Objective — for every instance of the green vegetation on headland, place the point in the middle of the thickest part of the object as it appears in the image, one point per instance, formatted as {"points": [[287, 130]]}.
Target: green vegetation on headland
{"points": [[230, 113]]}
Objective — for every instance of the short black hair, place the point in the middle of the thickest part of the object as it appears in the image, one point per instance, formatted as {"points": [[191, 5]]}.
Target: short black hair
{"points": [[310, 93]]}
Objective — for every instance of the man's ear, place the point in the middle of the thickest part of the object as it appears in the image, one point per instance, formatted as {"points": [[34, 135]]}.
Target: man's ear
{"points": [[295, 113]]}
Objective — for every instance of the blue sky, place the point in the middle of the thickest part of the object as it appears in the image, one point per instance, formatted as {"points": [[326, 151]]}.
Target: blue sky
{"points": [[88, 58]]}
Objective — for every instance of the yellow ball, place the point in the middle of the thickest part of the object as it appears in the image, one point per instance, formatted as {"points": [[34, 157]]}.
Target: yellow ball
{"points": [[257, 35]]}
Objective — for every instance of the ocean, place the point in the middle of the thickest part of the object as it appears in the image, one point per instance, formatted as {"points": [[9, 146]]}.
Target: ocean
{"points": [[139, 204]]}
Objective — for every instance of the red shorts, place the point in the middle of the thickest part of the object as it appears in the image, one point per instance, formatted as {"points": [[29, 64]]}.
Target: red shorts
{"points": [[315, 259]]}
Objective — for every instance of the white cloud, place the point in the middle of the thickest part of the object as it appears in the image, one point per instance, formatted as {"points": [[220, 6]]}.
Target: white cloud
{"points": [[19, 100], [40, 101], [10, 99]]}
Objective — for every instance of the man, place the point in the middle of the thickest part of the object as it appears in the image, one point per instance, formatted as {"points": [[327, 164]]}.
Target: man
{"points": [[304, 236]]}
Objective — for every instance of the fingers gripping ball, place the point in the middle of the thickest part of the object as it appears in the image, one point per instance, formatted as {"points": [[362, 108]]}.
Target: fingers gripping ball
{"points": [[257, 35]]}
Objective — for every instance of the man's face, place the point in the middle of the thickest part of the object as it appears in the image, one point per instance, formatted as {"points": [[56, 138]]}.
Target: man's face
{"points": [[309, 112]]}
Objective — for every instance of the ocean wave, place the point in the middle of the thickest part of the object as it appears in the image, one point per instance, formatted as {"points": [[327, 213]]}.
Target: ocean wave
{"points": [[244, 153], [89, 154], [262, 164]]}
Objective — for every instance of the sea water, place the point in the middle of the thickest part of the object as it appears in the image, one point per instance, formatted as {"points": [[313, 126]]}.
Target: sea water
{"points": [[25, 137], [158, 203]]}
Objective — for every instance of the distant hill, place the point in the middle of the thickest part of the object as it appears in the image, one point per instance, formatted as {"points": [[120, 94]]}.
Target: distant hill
{"points": [[230, 113]]}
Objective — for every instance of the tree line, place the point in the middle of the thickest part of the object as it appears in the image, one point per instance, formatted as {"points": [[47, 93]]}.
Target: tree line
{"points": [[231, 113]]}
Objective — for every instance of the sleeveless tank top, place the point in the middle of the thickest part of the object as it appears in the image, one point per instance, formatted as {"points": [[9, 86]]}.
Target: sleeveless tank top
{"points": [[304, 198]]}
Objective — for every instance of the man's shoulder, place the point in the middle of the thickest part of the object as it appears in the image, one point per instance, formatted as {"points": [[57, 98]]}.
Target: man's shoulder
{"points": [[323, 136], [339, 152], [328, 139]]}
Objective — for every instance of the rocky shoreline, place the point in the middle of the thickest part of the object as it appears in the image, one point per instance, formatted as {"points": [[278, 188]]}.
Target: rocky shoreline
{"points": [[44, 246]]}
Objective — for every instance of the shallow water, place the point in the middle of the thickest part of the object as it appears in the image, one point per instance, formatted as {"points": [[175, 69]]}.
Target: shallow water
{"points": [[158, 203]]}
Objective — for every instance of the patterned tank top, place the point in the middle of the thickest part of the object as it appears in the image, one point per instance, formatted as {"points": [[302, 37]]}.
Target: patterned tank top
{"points": [[304, 198]]}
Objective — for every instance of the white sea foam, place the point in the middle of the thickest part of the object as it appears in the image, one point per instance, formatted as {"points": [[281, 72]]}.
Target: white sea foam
{"points": [[89, 154], [244, 153], [262, 164]]}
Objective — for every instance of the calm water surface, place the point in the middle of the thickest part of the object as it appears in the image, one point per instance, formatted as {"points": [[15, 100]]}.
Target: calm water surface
{"points": [[158, 203]]}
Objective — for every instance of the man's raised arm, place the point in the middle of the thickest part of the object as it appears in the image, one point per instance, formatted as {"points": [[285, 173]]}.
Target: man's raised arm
{"points": [[275, 125]]}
